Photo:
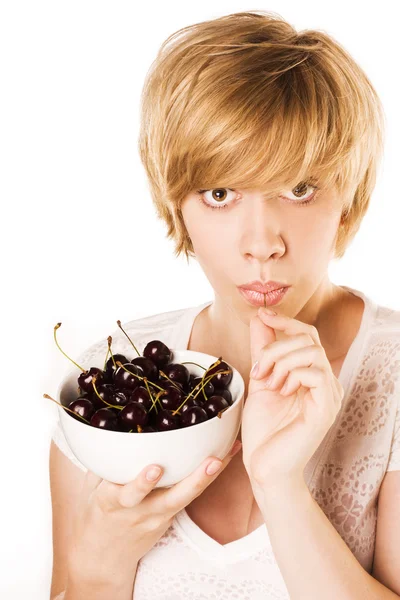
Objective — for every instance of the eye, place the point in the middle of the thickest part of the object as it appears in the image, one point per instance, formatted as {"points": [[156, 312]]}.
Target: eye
{"points": [[299, 193], [217, 194]]}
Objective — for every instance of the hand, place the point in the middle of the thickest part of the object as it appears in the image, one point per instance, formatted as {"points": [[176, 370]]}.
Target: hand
{"points": [[282, 428], [115, 525]]}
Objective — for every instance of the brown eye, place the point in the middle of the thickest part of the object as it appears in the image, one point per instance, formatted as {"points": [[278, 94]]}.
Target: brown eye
{"points": [[216, 195], [300, 189]]}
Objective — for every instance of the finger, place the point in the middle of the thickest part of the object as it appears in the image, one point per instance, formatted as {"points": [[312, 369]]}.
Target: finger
{"points": [[318, 385], [310, 356], [277, 351], [116, 496], [175, 498], [261, 335], [289, 325]]}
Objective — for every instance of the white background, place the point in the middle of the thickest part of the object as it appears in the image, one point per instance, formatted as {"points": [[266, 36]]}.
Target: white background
{"points": [[80, 240]]}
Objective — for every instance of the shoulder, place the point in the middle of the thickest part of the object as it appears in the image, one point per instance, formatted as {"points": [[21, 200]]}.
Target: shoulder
{"points": [[140, 331], [387, 319]]}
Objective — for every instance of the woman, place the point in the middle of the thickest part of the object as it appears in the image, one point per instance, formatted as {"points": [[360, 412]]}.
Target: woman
{"points": [[261, 145]]}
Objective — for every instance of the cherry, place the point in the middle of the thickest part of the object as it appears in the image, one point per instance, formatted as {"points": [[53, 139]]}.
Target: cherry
{"points": [[171, 398], [141, 395], [191, 402], [214, 405], [193, 415], [221, 380], [209, 389], [191, 383], [85, 379], [166, 420], [110, 394], [177, 372], [83, 407], [225, 393], [133, 414], [104, 418], [111, 367], [124, 379], [148, 367], [158, 352]]}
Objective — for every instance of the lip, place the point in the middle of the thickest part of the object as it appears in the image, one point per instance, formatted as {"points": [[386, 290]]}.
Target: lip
{"points": [[258, 299], [263, 288]]}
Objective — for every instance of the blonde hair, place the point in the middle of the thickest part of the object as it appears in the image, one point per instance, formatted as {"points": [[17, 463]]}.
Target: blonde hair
{"points": [[244, 101]]}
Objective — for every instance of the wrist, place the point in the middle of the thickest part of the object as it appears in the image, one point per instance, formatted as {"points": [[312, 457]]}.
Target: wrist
{"points": [[90, 586], [273, 491]]}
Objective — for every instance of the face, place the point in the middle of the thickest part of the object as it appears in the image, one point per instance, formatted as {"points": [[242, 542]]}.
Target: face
{"points": [[286, 236]]}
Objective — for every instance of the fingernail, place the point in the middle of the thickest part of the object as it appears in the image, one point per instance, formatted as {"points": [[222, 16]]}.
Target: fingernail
{"points": [[213, 467], [153, 473], [254, 370], [235, 448], [268, 311]]}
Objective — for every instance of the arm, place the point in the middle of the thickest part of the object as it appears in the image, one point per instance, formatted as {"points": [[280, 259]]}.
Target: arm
{"points": [[81, 591], [314, 560]]}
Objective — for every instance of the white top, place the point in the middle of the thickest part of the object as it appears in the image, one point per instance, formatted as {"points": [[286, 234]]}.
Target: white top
{"points": [[186, 563]]}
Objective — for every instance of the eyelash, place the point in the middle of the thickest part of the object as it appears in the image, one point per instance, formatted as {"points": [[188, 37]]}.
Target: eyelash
{"points": [[310, 200]]}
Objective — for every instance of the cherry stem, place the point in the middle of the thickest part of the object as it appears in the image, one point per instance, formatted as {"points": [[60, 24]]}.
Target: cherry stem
{"points": [[105, 362], [222, 411], [66, 355], [146, 383], [109, 340], [66, 408], [120, 326], [265, 300]]}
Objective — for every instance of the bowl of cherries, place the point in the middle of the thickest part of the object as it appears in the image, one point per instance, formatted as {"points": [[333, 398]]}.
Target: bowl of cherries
{"points": [[165, 406]]}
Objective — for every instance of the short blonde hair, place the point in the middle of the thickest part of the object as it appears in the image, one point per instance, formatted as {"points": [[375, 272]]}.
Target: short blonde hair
{"points": [[245, 101]]}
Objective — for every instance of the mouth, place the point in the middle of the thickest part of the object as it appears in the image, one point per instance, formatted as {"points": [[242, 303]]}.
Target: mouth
{"points": [[256, 298]]}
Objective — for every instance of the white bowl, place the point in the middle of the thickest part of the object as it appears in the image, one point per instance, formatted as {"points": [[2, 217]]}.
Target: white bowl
{"points": [[119, 456]]}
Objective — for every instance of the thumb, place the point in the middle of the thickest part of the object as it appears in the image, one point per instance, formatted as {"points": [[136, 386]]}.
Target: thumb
{"points": [[261, 335]]}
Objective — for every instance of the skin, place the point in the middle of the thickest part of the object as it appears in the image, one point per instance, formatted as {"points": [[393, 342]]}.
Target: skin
{"points": [[267, 237]]}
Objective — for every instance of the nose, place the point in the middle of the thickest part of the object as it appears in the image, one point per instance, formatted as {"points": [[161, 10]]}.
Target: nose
{"points": [[260, 233]]}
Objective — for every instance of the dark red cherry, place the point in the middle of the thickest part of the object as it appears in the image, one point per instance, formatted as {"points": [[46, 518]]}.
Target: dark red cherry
{"points": [[214, 405], [133, 414], [148, 367], [193, 415], [83, 407], [104, 418], [177, 372], [158, 352], [220, 380], [148, 429], [111, 368], [110, 394], [189, 403], [171, 398], [127, 380], [225, 393], [165, 420], [85, 379], [141, 395], [208, 388]]}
